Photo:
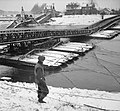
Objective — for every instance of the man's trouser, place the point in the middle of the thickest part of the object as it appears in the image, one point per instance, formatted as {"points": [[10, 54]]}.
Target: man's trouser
{"points": [[42, 90]]}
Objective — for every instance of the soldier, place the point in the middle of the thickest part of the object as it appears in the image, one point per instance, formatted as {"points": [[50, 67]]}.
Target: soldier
{"points": [[40, 79]]}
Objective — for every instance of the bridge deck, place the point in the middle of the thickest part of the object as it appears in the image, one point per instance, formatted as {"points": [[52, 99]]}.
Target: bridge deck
{"points": [[41, 32], [45, 28]]}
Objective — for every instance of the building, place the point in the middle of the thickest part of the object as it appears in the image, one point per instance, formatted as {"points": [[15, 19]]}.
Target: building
{"points": [[76, 9], [105, 11], [89, 9], [73, 9]]}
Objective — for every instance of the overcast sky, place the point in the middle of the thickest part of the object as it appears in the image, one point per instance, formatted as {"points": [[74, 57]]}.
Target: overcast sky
{"points": [[15, 5]]}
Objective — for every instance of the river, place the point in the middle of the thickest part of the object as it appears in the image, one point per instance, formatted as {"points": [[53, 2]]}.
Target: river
{"points": [[99, 69]]}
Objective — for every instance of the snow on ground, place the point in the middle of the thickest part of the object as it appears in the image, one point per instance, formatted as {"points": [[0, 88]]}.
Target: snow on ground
{"points": [[77, 19], [23, 97]]}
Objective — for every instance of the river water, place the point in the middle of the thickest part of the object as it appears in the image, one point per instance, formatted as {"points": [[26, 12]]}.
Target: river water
{"points": [[99, 69]]}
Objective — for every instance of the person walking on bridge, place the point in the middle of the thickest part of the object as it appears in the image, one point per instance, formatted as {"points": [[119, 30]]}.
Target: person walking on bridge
{"points": [[40, 79]]}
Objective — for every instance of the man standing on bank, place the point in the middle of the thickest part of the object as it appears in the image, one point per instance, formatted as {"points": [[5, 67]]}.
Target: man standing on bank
{"points": [[40, 79]]}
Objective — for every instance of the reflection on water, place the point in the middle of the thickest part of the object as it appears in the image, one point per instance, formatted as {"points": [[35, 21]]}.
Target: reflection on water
{"points": [[98, 69], [17, 74]]}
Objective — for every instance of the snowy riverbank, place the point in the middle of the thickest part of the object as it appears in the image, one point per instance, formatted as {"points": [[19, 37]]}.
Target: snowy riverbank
{"points": [[77, 19], [23, 97]]}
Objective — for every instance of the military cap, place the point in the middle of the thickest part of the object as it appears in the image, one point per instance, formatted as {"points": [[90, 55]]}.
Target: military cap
{"points": [[41, 58]]}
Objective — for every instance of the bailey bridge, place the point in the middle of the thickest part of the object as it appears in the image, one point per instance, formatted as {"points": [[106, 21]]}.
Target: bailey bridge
{"points": [[17, 35]]}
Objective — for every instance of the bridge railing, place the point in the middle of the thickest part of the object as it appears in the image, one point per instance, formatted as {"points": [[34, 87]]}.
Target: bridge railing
{"points": [[30, 35]]}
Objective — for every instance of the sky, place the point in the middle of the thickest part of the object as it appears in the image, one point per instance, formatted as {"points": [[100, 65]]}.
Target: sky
{"points": [[15, 5]]}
